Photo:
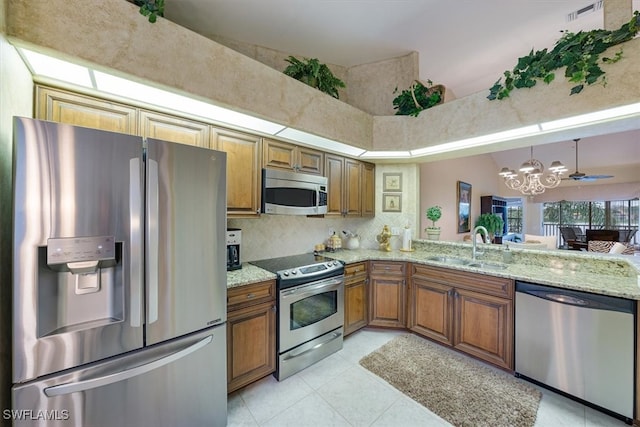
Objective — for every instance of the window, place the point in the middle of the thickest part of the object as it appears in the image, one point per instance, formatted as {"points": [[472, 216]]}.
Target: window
{"points": [[514, 216], [608, 215]]}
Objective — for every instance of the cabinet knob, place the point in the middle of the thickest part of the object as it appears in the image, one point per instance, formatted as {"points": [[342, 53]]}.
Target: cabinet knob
{"points": [[249, 296]]}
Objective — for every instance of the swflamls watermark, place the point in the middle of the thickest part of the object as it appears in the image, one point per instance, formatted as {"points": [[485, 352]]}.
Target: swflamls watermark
{"points": [[39, 415]]}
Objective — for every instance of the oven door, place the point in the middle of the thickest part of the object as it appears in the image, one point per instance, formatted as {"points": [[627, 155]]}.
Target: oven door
{"points": [[310, 310]]}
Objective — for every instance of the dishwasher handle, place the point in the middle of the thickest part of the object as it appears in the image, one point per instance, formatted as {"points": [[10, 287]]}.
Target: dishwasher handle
{"points": [[577, 298]]}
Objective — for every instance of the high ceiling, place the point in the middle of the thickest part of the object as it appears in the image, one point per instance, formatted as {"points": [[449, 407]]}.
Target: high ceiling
{"points": [[465, 44]]}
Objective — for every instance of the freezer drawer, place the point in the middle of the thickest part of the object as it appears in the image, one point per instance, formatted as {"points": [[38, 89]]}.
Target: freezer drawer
{"points": [[177, 383]]}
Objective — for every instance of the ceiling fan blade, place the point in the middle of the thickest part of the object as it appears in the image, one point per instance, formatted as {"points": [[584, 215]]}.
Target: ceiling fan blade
{"points": [[586, 178], [579, 176], [594, 177]]}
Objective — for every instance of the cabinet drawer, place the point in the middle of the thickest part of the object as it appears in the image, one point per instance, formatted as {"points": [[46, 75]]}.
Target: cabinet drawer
{"points": [[491, 285], [243, 296], [388, 268], [355, 269]]}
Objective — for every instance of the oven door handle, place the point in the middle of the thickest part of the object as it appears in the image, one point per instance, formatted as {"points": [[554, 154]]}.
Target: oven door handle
{"points": [[312, 289], [293, 355]]}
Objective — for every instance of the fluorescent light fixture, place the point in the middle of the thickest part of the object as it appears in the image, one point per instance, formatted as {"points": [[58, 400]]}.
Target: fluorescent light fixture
{"points": [[386, 154], [54, 68], [590, 118], [57, 69], [127, 88], [320, 142], [478, 140]]}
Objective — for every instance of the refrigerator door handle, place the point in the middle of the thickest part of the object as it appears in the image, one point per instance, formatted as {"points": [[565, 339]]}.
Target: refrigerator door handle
{"points": [[115, 377], [135, 241], [153, 240]]}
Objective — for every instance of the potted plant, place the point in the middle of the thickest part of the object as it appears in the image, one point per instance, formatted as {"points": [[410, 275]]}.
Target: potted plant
{"points": [[433, 214], [492, 222], [418, 97], [314, 74]]}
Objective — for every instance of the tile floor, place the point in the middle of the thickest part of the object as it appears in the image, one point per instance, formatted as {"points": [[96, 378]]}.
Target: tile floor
{"points": [[337, 391]]}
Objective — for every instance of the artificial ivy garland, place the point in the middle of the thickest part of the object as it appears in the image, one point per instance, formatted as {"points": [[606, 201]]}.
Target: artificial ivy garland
{"points": [[579, 52], [151, 8]]}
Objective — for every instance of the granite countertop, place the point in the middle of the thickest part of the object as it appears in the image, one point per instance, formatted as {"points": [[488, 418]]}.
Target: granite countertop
{"points": [[247, 275], [617, 276], [614, 275]]}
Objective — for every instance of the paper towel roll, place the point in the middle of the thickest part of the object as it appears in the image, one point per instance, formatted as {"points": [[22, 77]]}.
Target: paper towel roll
{"points": [[406, 239]]}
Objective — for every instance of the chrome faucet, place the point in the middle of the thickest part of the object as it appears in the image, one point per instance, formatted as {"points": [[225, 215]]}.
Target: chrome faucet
{"points": [[475, 251]]}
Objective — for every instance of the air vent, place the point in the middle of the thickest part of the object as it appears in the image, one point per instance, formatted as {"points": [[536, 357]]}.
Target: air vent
{"points": [[584, 11]]}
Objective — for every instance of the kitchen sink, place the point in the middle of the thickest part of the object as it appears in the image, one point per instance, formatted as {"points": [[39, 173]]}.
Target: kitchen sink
{"points": [[449, 260], [487, 265]]}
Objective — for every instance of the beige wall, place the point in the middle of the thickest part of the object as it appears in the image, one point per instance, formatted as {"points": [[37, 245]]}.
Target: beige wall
{"points": [[16, 89], [116, 37], [438, 183]]}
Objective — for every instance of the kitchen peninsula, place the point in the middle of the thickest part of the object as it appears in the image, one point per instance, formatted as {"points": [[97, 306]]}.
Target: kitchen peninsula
{"points": [[614, 275], [440, 293]]}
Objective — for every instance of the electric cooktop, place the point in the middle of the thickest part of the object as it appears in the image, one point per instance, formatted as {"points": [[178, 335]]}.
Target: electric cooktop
{"points": [[296, 269]]}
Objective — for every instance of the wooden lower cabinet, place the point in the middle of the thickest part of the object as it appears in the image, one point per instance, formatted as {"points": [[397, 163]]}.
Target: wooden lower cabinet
{"points": [[356, 301], [484, 327], [431, 310], [470, 312], [251, 334], [387, 294]]}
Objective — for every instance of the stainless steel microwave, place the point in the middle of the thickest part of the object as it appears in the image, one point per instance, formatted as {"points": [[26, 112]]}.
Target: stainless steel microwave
{"points": [[293, 193]]}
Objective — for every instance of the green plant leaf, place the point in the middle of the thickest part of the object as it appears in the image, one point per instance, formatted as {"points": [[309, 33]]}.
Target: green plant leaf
{"points": [[315, 74], [576, 89]]}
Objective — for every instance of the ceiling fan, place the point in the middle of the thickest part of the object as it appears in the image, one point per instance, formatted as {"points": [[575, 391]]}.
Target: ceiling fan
{"points": [[579, 176]]}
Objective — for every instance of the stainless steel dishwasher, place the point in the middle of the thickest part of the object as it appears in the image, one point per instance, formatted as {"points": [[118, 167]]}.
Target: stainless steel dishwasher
{"points": [[579, 343]]}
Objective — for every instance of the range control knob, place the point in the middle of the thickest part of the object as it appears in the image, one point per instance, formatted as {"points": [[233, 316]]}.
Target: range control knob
{"points": [[294, 272], [285, 273]]}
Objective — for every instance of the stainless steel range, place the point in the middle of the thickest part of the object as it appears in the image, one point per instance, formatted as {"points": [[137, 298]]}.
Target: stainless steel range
{"points": [[310, 309]]}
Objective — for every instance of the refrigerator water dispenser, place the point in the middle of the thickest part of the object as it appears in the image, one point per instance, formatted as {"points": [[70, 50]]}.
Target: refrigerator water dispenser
{"points": [[80, 284]]}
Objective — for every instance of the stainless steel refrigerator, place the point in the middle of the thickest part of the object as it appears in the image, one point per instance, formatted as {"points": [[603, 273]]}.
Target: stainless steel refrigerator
{"points": [[119, 280]]}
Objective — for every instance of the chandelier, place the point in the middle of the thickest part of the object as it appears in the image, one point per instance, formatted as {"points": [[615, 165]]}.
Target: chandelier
{"points": [[531, 179]]}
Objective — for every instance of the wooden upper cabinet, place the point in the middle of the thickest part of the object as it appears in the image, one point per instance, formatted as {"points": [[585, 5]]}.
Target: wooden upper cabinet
{"points": [[66, 107], [244, 175], [174, 129], [351, 186], [334, 171], [280, 155], [368, 189]]}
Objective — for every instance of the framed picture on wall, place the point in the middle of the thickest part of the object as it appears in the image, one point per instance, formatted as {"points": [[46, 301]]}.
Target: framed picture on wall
{"points": [[464, 207], [392, 182], [391, 203]]}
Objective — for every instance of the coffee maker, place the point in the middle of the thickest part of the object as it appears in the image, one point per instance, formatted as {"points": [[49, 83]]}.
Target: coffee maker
{"points": [[233, 249]]}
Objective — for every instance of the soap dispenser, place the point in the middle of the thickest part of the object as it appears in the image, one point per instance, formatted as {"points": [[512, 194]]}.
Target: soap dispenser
{"points": [[507, 255]]}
